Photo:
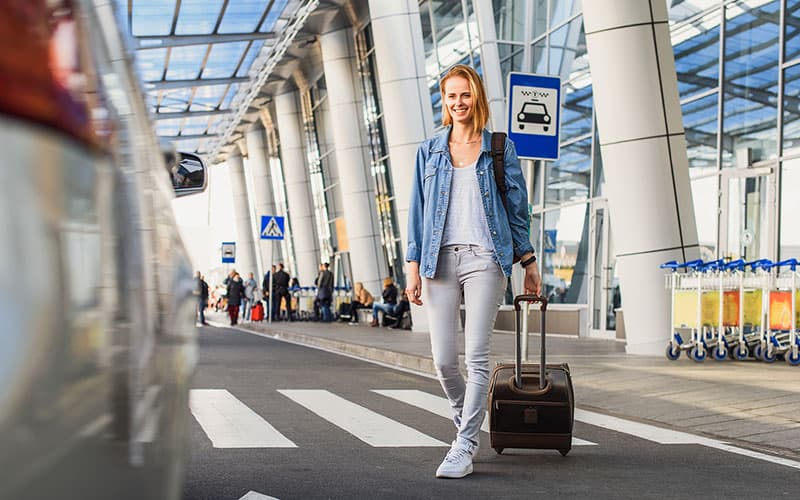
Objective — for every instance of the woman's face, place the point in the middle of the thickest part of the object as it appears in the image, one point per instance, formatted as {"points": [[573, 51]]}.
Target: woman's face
{"points": [[458, 99]]}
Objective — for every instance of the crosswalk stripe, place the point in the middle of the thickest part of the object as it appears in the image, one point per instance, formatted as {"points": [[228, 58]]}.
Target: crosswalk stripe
{"points": [[440, 406], [368, 426], [229, 423]]}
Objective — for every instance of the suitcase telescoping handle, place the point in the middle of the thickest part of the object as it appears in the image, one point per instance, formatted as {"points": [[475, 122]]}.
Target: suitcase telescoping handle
{"points": [[519, 299]]}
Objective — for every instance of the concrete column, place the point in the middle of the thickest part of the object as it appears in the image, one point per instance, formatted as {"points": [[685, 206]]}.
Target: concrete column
{"points": [[357, 195], [264, 201], [644, 157], [490, 62], [400, 55], [298, 189], [245, 247]]}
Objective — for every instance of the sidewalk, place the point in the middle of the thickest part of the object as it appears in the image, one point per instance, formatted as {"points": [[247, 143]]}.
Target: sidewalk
{"points": [[749, 403]]}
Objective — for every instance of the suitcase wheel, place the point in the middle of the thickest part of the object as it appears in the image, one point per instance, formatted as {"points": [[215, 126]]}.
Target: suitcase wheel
{"points": [[499, 450], [563, 452]]}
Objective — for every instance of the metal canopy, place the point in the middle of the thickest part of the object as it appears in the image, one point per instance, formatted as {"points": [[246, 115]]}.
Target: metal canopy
{"points": [[195, 55]]}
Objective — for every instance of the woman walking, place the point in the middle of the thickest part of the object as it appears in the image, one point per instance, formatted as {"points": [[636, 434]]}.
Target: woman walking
{"points": [[462, 239]]}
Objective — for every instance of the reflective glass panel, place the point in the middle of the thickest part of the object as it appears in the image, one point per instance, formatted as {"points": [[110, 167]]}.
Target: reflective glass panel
{"points": [[792, 33], [242, 16], [150, 63], [450, 29], [576, 110], [791, 110], [790, 207], [599, 179], [561, 10], [700, 125], [431, 63], [563, 48], [511, 58], [751, 81], [681, 10], [207, 97], [271, 22], [223, 59], [539, 55], [568, 178], [509, 18], [539, 17], [252, 53], [705, 201], [198, 17], [152, 17], [696, 48], [564, 257], [184, 62]]}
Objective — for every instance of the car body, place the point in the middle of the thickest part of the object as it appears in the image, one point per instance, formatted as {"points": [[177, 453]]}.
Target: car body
{"points": [[534, 112], [98, 340]]}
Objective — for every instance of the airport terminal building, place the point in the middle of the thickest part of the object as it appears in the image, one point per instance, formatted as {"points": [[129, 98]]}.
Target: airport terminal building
{"points": [[679, 137]]}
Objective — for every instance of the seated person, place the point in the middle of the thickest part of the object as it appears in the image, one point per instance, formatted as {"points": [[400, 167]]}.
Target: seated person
{"points": [[399, 310], [362, 299], [389, 296]]}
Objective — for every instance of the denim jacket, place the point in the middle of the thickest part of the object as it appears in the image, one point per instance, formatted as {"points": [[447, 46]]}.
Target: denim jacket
{"points": [[430, 193]]}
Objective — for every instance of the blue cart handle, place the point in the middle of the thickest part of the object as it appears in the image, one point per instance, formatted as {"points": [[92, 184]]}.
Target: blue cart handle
{"points": [[765, 264], [736, 264], [673, 264]]}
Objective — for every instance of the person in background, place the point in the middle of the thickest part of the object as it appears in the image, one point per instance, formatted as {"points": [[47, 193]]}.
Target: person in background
{"points": [[235, 294], [249, 286], [280, 292], [362, 299], [389, 297], [399, 310], [202, 297], [324, 284]]}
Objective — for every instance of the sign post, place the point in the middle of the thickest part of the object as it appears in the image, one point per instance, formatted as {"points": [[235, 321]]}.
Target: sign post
{"points": [[272, 228], [534, 119]]}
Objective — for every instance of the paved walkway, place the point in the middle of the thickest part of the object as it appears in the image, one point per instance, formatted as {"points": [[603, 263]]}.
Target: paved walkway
{"points": [[749, 403]]}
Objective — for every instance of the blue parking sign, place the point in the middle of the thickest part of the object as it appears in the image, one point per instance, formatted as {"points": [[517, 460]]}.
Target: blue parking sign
{"points": [[534, 114]]}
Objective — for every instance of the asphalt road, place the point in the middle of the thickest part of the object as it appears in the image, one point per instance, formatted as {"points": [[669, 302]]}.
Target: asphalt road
{"points": [[330, 462]]}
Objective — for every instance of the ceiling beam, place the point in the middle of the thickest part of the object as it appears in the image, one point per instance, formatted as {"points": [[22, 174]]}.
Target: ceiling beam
{"points": [[195, 82], [187, 137], [191, 114], [158, 42]]}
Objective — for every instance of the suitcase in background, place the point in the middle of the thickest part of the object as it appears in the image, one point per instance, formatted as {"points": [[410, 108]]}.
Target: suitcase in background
{"points": [[531, 406], [257, 313]]}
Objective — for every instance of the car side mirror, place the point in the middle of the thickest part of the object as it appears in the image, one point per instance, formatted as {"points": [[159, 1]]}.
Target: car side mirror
{"points": [[188, 173]]}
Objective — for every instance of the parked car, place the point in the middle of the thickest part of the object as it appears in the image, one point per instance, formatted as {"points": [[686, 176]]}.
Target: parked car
{"points": [[97, 343]]}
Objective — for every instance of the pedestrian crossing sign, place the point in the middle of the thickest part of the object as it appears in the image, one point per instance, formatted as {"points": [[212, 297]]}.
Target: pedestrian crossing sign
{"points": [[272, 227]]}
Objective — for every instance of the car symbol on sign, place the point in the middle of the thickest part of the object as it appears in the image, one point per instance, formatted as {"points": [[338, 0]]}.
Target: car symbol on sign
{"points": [[534, 112]]}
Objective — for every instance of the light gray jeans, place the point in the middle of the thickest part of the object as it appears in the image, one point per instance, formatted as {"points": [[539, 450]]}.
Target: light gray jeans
{"points": [[469, 268]]}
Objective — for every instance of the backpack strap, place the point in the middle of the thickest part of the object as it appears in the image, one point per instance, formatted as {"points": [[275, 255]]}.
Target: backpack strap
{"points": [[498, 160]]}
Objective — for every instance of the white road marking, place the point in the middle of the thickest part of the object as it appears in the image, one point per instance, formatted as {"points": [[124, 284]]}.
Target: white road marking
{"points": [[368, 426], [440, 406], [667, 436], [229, 423], [253, 495]]}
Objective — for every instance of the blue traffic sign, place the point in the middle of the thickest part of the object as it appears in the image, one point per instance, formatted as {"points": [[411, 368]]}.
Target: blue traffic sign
{"points": [[550, 241], [534, 114], [272, 227], [228, 252]]}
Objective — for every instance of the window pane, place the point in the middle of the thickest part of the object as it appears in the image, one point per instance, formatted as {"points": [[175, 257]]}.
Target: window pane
{"points": [[791, 110], [539, 62], [152, 17], [223, 59], [561, 10], [696, 48], [198, 17], [242, 16], [790, 205], [450, 30], [565, 254], [566, 44], [511, 57], [184, 62], [704, 197], [568, 178], [431, 63], [792, 34], [509, 19], [576, 110], [539, 17], [700, 124], [751, 81]]}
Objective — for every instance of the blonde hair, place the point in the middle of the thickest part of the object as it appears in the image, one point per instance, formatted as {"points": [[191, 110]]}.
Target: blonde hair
{"points": [[480, 106], [387, 281]]}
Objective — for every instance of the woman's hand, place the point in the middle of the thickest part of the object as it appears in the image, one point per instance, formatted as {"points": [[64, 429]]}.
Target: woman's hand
{"points": [[533, 282], [414, 284]]}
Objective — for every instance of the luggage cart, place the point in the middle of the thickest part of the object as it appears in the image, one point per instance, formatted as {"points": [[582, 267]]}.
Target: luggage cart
{"points": [[747, 332], [684, 282], [781, 336], [720, 309]]}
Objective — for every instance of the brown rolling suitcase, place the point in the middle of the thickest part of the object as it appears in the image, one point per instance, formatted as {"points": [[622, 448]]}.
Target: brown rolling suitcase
{"points": [[531, 406]]}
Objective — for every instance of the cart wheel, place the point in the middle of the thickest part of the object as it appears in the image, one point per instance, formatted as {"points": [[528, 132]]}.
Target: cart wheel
{"points": [[563, 452], [791, 358], [769, 355], [741, 352], [499, 451], [757, 351], [673, 351], [697, 355], [719, 354]]}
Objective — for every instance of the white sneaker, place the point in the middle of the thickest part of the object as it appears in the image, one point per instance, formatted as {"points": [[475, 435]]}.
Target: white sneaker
{"points": [[458, 461]]}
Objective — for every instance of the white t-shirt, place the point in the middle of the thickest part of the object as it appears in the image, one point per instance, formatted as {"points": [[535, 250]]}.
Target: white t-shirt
{"points": [[465, 223]]}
